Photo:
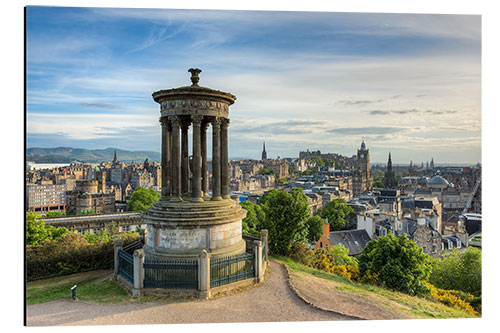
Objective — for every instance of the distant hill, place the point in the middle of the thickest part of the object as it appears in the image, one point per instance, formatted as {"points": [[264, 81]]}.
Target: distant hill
{"points": [[68, 154]]}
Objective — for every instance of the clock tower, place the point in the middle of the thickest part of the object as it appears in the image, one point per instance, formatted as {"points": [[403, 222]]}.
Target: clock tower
{"points": [[362, 176], [364, 159]]}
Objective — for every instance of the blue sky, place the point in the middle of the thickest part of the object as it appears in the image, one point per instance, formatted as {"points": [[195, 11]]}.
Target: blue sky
{"points": [[406, 83]]}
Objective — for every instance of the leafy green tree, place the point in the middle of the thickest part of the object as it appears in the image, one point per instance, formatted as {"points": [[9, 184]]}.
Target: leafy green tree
{"points": [[319, 161], [314, 228], [54, 213], [337, 212], [396, 263], [339, 256], [286, 214], [458, 271], [86, 211], [142, 198], [266, 171], [251, 224], [98, 237], [37, 232]]}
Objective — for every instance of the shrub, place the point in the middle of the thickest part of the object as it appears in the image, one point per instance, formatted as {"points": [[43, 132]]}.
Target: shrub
{"points": [[72, 253], [458, 271], [302, 254], [397, 262], [340, 270], [457, 299]]}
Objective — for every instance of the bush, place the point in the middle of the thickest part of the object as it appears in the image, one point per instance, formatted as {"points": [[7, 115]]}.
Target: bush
{"points": [[457, 299], [302, 254], [458, 271], [72, 253], [251, 224], [37, 232], [396, 263]]}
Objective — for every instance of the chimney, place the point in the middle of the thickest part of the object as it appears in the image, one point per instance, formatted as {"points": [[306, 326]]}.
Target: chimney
{"points": [[326, 228]]}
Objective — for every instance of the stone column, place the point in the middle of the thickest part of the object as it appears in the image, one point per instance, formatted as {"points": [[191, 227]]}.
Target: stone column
{"points": [[118, 246], [138, 272], [176, 160], [264, 236], [184, 159], [204, 278], [257, 250], [216, 159], [196, 183], [204, 166], [224, 160], [165, 147]]}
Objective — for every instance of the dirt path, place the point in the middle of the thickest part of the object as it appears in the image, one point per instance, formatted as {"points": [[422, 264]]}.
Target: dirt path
{"points": [[325, 295], [271, 301]]}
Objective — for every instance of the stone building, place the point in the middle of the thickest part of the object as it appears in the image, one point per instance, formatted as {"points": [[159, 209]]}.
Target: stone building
{"points": [[362, 177], [86, 196]]}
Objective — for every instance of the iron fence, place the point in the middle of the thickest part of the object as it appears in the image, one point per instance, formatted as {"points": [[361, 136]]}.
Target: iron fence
{"points": [[126, 265], [230, 269], [170, 273], [131, 247]]}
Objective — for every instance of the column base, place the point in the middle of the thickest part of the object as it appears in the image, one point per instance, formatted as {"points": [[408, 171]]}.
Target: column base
{"points": [[226, 196], [197, 200], [219, 198], [176, 199]]}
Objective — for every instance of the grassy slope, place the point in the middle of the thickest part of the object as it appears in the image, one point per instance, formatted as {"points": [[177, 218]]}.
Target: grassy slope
{"points": [[94, 287], [417, 307]]}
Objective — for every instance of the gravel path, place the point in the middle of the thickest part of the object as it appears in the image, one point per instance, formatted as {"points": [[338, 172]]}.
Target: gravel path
{"points": [[271, 301]]}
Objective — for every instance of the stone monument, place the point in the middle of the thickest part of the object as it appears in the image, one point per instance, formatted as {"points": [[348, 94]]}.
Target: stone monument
{"points": [[187, 219]]}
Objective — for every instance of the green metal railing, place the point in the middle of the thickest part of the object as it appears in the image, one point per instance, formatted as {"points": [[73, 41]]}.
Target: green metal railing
{"points": [[230, 269], [126, 265], [131, 247], [171, 273]]}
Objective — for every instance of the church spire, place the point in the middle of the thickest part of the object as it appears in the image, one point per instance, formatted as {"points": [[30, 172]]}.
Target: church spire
{"points": [[115, 159], [264, 153]]}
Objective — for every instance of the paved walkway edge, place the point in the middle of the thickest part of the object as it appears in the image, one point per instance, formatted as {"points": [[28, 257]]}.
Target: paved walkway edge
{"points": [[299, 295]]}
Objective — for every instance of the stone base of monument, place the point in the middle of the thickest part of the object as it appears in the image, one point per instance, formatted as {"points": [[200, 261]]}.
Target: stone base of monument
{"points": [[183, 229]]}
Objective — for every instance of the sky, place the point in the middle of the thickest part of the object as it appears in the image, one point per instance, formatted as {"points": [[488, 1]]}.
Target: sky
{"points": [[409, 84]]}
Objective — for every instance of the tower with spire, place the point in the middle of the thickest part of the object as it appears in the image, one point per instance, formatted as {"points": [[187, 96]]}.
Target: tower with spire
{"points": [[389, 177], [264, 153], [432, 163], [115, 159]]}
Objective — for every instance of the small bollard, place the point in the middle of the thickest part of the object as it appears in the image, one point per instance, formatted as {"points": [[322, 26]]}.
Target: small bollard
{"points": [[73, 292]]}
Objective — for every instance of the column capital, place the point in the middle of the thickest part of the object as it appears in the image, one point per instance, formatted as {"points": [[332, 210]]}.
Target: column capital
{"points": [[216, 121], [197, 120], [225, 123], [175, 120]]}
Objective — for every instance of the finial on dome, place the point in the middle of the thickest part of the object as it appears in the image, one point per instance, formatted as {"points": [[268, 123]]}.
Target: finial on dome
{"points": [[194, 75]]}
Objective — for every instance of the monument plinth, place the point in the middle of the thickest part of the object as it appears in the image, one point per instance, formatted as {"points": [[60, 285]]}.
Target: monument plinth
{"points": [[187, 220]]}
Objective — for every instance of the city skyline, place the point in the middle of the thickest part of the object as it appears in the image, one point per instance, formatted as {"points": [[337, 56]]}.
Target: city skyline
{"points": [[409, 84]]}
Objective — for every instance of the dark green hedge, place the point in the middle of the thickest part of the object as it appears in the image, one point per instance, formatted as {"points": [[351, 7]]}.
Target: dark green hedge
{"points": [[71, 254]]}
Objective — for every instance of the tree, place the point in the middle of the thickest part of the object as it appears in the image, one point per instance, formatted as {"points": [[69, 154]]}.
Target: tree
{"points": [[314, 228], [286, 214], [251, 224], [142, 198], [336, 211], [37, 232], [266, 171], [319, 161], [86, 211], [458, 271], [397, 263], [54, 213]]}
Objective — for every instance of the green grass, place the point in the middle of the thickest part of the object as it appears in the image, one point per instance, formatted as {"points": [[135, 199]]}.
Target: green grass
{"points": [[93, 287], [415, 306]]}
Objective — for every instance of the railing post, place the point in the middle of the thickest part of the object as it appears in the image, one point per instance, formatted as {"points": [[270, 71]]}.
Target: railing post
{"points": [[257, 250], [138, 273], [264, 237], [204, 280], [118, 245]]}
